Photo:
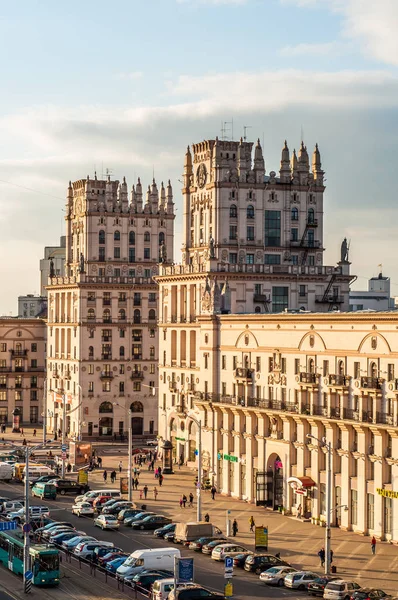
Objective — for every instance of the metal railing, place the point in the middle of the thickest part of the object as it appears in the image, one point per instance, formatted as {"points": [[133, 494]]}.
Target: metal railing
{"points": [[339, 380]]}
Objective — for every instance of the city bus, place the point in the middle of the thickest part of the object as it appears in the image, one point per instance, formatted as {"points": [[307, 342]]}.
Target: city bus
{"points": [[44, 559], [19, 469]]}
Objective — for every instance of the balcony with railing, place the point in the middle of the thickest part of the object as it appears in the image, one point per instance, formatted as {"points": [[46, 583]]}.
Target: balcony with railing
{"points": [[261, 298], [338, 380], [105, 375], [308, 378], [105, 356], [330, 299], [371, 383], [190, 387], [136, 375], [173, 386], [385, 419], [244, 373], [18, 353]]}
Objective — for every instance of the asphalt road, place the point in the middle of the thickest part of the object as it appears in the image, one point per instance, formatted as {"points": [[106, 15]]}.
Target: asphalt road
{"points": [[208, 572]]}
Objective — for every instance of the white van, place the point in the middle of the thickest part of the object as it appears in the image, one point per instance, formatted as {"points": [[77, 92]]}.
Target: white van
{"points": [[6, 471], [156, 558], [94, 494], [36, 472], [161, 588]]}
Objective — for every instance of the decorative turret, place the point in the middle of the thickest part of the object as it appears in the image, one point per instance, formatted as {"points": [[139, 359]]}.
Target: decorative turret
{"points": [[154, 196], [317, 166], [123, 196], [109, 195], [133, 200], [138, 195], [169, 196], [162, 202], [259, 165], [244, 159], [303, 160], [285, 171], [294, 164]]}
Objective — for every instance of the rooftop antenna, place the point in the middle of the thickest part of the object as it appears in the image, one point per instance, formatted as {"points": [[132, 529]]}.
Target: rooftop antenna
{"points": [[245, 128], [302, 133], [108, 172], [224, 129]]}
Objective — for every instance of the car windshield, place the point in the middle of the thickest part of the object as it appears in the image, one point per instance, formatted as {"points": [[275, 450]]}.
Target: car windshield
{"points": [[47, 562], [273, 570], [130, 562]]}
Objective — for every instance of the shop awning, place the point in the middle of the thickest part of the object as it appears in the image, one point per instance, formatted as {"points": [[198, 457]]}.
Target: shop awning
{"points": [[301, 482]]}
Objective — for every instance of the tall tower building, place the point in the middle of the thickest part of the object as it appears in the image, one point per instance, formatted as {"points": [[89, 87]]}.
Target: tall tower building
{"points": [[252, 243], [102, 321]]}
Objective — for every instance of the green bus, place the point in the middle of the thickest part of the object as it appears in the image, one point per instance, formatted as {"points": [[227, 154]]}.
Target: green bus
{"points": [[44, 559]]}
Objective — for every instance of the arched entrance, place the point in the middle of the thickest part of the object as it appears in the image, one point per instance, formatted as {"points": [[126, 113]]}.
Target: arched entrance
{"points": [[274, 481], [137, 423], [105, 423]]}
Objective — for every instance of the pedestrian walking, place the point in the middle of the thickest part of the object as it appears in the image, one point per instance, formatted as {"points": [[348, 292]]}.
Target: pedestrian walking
{"points": [[105, 476], [321, 555], [191, 499], [181, 461], [181, 502], [34, 433], [373, 545], [234, 528], [99, 461], [161, 480], [252, 523], [299, 511], [24, 442], [207, 517], [184, 500], [155, 492], [331, 556], [120, 466], [22, 431], [113, 476], [136, 483], [156, 473], [145, 488], [213, 492]]}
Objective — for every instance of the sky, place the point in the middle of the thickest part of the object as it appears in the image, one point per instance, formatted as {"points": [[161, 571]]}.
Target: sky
{"points": [[127, 85]]}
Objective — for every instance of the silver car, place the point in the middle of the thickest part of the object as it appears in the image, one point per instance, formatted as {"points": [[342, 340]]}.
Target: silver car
{"points": [[340, 589], [276, 575], [298, 580]]}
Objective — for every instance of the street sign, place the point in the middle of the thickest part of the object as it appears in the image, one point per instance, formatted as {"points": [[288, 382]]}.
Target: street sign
{"points": [[261, 538], [27, 527], [228, 567], [28, 575], [219, 456], [185, 570], [63, 447], [228, 590], [7, 525]]}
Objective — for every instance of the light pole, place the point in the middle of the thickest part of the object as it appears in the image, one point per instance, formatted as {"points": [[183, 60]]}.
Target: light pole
{"points": [[26, 544], [130, 463], [199, 492], [78, 408], [63, 434], [45, 410], [328, 446]]}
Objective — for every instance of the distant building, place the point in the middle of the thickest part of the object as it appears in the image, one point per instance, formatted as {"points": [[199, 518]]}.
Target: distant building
{"points": [[22, 364], [377, 297], [57, 255], [31, 306]]}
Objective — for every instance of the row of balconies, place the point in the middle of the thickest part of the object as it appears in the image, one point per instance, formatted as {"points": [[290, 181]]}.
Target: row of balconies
{"points": [[374, 383], [18, 353], [26, 369], [334, 413]]}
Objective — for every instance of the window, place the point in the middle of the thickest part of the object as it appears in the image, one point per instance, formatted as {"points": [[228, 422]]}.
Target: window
{"points": [[101, 237], [250, 259], [357, 370], [137, 299], [280, 298], [311, 216], [272, 259], [294, 214], [302, 291], [122, 333], [147, 273], [294, 258], [151, 333], [3, 347], [323, 499], [258, 364], [91, 351], [233, 258], [136, 386], [116, 252], [294, 234], [387, 515], [132, 257], [371, 511], [206, 360], [18, 395], [354, 506], [147, 236], [390, 372], [250, 212], [152, 315], [106, 316], [121, 351], [33, 382], [91, 387], [152, 353], [136, 406], [223, 361], [3, 396], [106, 387], [101, 254], [33, 347], [33, 363], [105, 407], [250, 234], [91, 369], [311, 260], [234, 362], [233, 232], [90, 296], [132, 238], [147, 253], [122, 314], [161, 238], [116, 236], [272, 228], [33, 395], [152, 297], [137, 351]]}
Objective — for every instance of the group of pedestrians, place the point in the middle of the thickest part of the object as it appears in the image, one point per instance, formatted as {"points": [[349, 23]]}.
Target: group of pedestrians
{"points": [[184, 500]]}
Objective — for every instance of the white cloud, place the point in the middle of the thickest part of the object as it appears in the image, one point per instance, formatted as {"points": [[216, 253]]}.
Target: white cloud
{"points": [[372, 24], [324, 49], [133, 75]]}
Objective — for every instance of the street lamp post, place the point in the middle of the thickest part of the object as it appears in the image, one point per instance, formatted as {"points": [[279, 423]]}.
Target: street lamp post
{"points": [[199, 492], [130, 463], [45, 410], [328, 446], [63, 434]]}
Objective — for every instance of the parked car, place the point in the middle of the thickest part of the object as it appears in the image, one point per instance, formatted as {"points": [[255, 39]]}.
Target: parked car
{"points": [[58, 538], [369, 594], [161, 531], [44, 479], [146, 579], [162, 588], [299, 580], [86, 549], [67, 486], [193, 592], [169, 536], [317, 587], [115, 508], [71, 544], [11, 506], [151, 522], [261, 562], [101, 551], [99, 502], [223, 550], [208, 548], [106, 522], [109, 556], [41, 530], [55, 531], [125, 513], [198, 544], [130, 520], [114, 564], [19, 516], [276, 575], [91, 496], [83, 509], [340, 589], [239, 559]]}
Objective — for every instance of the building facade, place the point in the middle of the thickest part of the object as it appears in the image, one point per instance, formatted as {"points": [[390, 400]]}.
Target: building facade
{"points": [[376, 297], [260, 379], [22, 370], [32, 306], [102, 321]]}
